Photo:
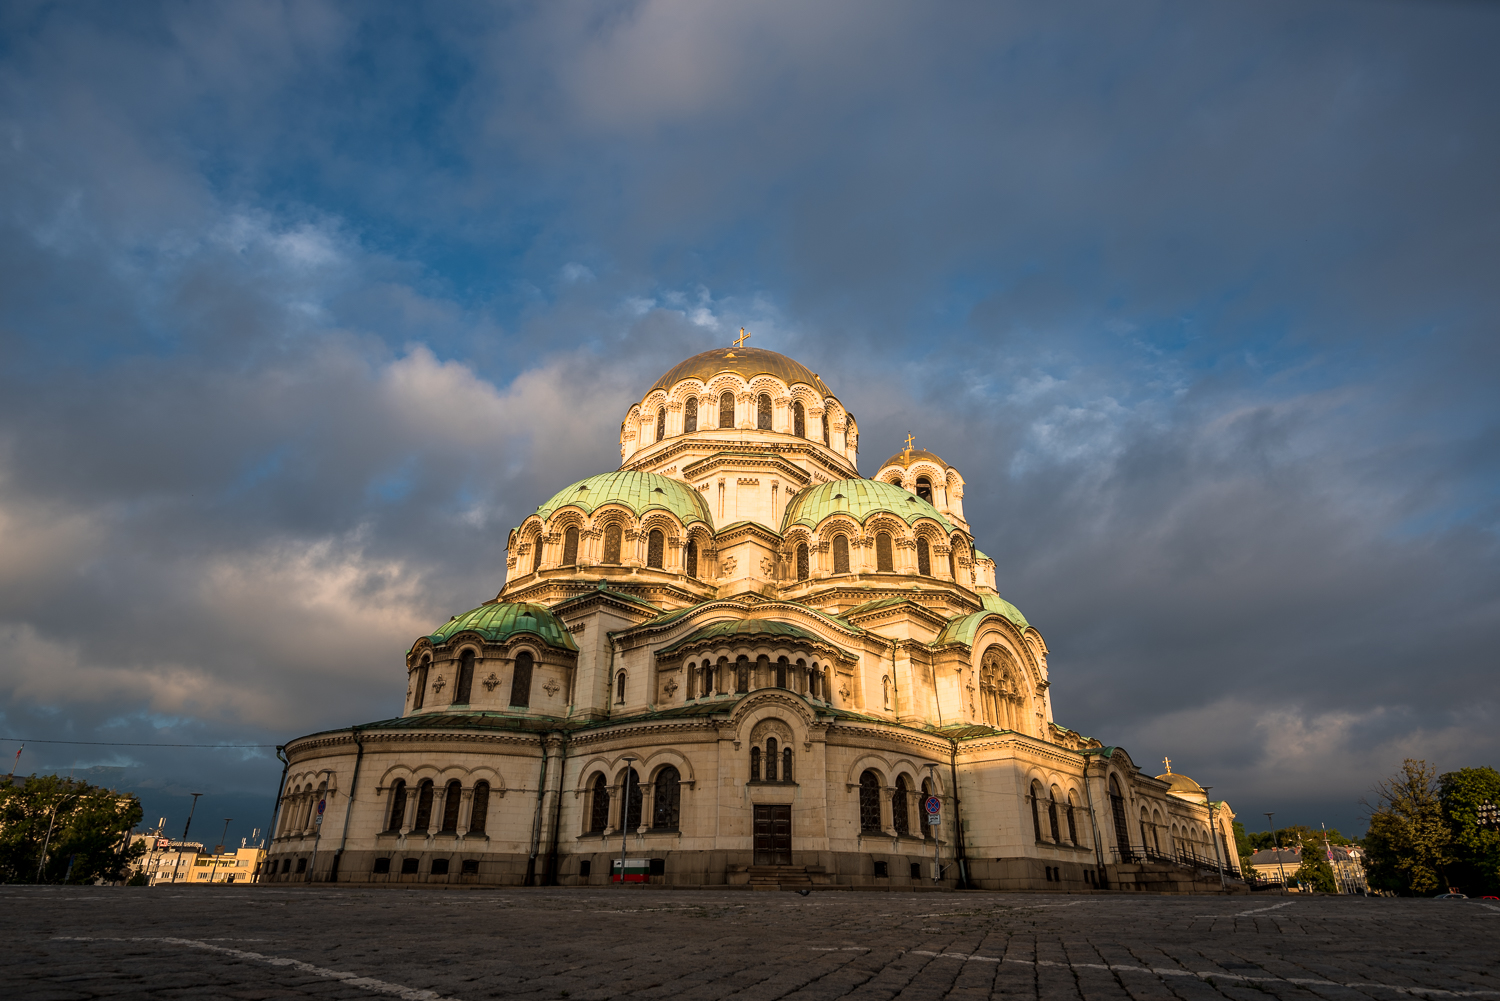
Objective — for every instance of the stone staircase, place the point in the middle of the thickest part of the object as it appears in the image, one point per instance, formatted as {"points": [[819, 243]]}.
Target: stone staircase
{"points": [[776, 877]]}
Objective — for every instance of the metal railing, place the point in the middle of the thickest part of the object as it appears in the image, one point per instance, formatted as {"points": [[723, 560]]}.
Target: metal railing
{"points": [[1183, 856]]}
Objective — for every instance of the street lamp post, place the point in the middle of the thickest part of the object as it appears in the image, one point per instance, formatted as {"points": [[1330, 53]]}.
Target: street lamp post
{"points": [[937, 869], [47, 841], [1277, 843], [318, 823], [185, 828], [625, 816], [219, 851]]}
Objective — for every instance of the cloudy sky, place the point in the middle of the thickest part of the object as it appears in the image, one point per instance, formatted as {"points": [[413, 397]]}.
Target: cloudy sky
{"points": [[303, 305]]}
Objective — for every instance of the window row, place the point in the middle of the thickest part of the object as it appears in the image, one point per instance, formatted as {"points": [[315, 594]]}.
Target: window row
{"points": [[603, 809], [1058, 809], [411, 865], [298, 809], [764, 417], [612, 550], [771, 765], [414, 811], [463, 685], [904, 799], [885, 556], [708, 678]]}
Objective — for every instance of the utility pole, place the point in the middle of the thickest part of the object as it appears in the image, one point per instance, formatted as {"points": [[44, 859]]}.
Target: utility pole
{"points": [[46, 842], [937, 868], [625, 813], [218, 850], [1275, 840], [185, 828]]}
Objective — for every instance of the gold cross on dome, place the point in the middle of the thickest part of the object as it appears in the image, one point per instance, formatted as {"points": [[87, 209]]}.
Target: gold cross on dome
{"points": [[1168, 763], [739, 341], [909, 439]]}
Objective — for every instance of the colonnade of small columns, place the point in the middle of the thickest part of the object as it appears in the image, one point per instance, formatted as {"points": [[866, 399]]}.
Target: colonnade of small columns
{"points": [[642, 431], [721, 676]]}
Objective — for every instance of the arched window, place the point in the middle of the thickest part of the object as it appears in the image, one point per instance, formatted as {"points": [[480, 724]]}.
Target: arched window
{"points": [[899, 815], [620, 687], [827, 418], [840, 554], [520, 680], [480, 810], [690, 415], [814, 682], [536, 552], [952, 566], [726, 410], [924, 558], [691, 558], [1117, 809], [465, 685], [885, 560], [656, 548], [799, 419], [781, 671], [599, 807], [661, 423], [755, 764], [802, 561], [398, 805], [419, 685], [453, 797], [763, 412], [612, 542], [570, 547], [1036, 817], [666, 804], [869, 801], [771, 756], [924, 488], [1052, 816], [424, 808], [722, 674], [633, 799], [741, 674], [786, 764]]}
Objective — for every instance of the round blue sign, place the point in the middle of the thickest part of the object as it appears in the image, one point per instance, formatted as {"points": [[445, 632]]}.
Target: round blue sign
{"points": [[932, 805]]}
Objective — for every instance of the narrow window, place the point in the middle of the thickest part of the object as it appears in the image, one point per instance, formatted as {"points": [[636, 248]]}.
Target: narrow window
{"points": [[802, 561], [470, 867], [786, 764], [419, 686], [620, 687], [924, 488], [424, 808], [799, 420], [452, 798], [899, 815], [661, 423], [840, 554], [726, 410], [665, 805], [1036, 817], [781, 666], [1052, 816], [869, 801], [656, 548], [570, 548], [763, 412], [409, 866], [398, 805], [612, 543], [885, 561], [754, 764], [814, 686], [692, 558], [599, 808], [723, 676], [742, 675], [827, 417], [465, 686], [536, 552], [1117, 808], [771, 755], [479, 812], [632, 799], [924, 558], [690, 415], [952, 567], [520, 681]]}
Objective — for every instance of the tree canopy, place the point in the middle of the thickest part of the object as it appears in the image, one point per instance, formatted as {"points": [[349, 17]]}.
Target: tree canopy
{"points": [[90, 828], [1429, 832]]}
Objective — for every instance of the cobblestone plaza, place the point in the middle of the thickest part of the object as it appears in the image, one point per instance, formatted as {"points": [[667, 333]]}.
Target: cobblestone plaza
{"points": [[638, 942]]}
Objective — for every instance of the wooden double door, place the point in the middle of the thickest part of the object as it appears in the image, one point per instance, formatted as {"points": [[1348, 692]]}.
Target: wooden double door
{"points": [[773, 835]]}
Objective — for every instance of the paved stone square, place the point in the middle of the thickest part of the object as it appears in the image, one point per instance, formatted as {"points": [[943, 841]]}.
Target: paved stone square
{"points": [[637, 942]]}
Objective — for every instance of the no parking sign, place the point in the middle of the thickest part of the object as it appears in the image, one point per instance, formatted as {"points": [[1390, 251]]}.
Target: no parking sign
{"points": [[934, 807]]}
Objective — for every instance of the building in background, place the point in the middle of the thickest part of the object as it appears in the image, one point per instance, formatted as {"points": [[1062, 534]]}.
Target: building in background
{"points": [[171, 861]]}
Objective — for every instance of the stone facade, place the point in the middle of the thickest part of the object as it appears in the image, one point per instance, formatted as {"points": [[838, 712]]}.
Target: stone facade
{"points": [[749, 665]]}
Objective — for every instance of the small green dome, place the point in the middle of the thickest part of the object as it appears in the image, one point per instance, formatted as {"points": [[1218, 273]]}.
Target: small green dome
{"points": [[964, 628], [995, 603], [496, 621], [859, 498], [641, 492]]}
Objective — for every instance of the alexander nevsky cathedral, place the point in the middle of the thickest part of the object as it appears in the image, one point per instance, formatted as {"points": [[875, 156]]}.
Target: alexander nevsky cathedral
{"points": [[735, 661]]}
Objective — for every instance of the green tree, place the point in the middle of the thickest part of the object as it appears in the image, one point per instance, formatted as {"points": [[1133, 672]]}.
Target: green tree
{"points": [[1407, 845], [1243, 846], [90, 828], [1475, 844], [1315, 868]]}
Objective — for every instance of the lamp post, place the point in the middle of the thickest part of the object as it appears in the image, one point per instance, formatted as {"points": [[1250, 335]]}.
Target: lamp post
{"points": [[625, 816], [219, 850], [185, 829], [1213, 835], [47, 841], [318, 823], [1277, 843]]}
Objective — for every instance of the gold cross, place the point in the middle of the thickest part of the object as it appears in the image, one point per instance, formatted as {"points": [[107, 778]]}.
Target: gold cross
{"points": [[909, 440], [739, 341], [1168, 763]]}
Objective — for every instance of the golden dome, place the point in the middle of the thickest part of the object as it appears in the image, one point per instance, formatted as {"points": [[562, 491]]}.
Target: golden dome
{"points": [[1186, 788], [905, 458], [744, 362]]}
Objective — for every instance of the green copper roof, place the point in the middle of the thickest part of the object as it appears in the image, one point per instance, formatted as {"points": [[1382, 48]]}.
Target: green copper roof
{"points": [[499, 620], [964, 628], [734, 629], [995, 603], [859, 498], [641, 492]]}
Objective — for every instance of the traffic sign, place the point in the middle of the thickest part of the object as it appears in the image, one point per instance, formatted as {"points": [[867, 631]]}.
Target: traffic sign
{"points": [[933, 820], [321, 804], [933, 805]]}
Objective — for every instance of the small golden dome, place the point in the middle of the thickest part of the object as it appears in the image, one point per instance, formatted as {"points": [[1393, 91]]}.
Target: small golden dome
{"points": [[905, 458], [744, 362], [1184, 787]]}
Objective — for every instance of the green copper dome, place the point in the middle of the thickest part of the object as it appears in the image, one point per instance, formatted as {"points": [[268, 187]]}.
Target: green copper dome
{"points": [[860, 499], [641, 492], [995, 603], [497, 621], [964, 628]]}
